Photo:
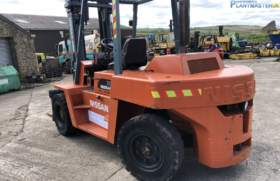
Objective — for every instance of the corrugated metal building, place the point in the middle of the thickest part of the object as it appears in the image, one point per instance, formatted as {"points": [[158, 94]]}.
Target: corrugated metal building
{"points": [[50, 30]]}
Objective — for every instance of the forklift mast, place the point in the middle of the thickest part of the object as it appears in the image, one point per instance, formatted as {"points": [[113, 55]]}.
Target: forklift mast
{"points": [[78, 15], [184, 25], [104, 19]]}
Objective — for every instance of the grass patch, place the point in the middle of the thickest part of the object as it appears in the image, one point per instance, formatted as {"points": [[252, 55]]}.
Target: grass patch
{"points": [[255, 37], [249, 33]]}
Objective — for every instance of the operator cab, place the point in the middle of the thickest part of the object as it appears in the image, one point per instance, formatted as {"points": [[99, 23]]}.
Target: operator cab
{"points": [[134, 54]]}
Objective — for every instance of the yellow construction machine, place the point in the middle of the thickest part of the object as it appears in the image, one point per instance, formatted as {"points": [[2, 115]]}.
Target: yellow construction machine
{"points": [[164, 41], [225, 43], [232, 49], [49, 66], [242, 56], [40, 58], [229, 43], [271, 49], [269, 52]]}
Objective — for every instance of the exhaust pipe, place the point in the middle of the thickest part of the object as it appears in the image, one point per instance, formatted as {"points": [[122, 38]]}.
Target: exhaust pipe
{"points": [[171, 26], [196, 40], [221, 30], [184, 24]]}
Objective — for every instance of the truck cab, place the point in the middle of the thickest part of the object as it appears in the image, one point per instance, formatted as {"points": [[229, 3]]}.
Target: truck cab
{"points": [[92, 44], [62, 53]]}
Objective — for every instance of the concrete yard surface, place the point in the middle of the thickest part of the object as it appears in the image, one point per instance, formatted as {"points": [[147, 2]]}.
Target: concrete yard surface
{"points": [[31, 148]]}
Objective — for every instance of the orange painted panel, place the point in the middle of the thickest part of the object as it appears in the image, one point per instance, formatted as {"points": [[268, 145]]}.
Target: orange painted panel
{"points": [[216, 135], [191, 100], [172, 64], [176, 64], [233, 84], [104, 112]]}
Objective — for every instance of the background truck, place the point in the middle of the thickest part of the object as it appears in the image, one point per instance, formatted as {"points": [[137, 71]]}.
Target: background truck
{"points": [[64, 50]]}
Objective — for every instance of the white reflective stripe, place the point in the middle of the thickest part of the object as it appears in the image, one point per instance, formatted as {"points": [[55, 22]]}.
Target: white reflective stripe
{"points": [[87, 63], [97, 119], [4, 81]]}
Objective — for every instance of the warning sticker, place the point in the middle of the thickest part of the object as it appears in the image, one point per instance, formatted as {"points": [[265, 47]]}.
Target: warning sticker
{"points": [[88, 63], [97, 119], [4, 81]]}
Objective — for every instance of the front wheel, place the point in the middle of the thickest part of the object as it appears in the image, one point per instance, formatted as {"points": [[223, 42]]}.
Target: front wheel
{"points": [[61, 115], [150, 147]]}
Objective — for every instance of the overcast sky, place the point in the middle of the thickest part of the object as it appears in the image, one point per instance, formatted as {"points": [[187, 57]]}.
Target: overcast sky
{"points": [[157, 14]]}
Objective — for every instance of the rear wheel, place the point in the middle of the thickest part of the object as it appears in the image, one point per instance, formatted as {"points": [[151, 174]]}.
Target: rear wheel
{"points": [[150, 147], [61, 115], [65, 69]]}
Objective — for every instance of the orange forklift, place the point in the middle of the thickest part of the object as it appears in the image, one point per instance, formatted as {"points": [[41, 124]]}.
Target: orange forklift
{"points": [[146, 110]]}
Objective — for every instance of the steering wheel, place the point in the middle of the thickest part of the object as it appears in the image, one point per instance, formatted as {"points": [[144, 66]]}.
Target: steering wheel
{"points": [[109, 46]]}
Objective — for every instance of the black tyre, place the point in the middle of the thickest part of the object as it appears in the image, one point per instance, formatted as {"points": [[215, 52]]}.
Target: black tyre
{"points": [[60, 71], [65, 69], [61, 115], [150, 147]]}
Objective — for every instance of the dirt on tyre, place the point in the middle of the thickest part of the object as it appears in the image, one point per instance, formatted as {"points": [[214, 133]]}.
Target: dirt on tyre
{"points": [[150, 147], [61, 115]]}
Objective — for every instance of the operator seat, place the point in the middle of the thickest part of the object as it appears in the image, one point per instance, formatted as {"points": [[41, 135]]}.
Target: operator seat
{"points": [[134, 54]]}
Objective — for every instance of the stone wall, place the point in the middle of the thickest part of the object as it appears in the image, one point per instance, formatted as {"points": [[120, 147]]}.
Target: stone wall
{"points": [[23, 49], [269, 28]]}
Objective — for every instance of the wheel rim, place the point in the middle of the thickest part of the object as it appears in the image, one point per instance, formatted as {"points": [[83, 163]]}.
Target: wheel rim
{"points": [[59, 116], [146, 152]]}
